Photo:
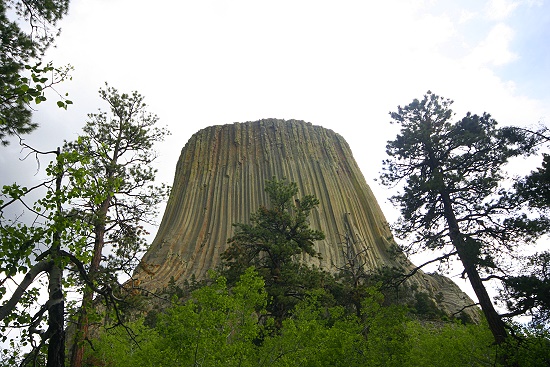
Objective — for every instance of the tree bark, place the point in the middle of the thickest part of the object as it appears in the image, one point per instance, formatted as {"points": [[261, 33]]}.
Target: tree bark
{"points": [[56, 308], [83, 325], [77, 349], [56, 319], [77, 352], [496, 325], [22, 287]]}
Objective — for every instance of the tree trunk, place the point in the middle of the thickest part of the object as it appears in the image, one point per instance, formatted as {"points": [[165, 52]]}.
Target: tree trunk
{"points": [[56, 304], [493, 318], [56, 319], [82, 326], [468, 259], [496, 325]]}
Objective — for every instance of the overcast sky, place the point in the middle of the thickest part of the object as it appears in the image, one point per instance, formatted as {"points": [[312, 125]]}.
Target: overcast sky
{"points": [[339, 64]]}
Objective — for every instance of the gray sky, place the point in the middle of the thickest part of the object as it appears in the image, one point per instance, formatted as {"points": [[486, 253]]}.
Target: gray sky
{"points": [[339, 64]]}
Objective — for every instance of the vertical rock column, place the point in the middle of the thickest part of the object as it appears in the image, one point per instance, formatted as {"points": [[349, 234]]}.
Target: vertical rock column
{"points": [[220, 179]]}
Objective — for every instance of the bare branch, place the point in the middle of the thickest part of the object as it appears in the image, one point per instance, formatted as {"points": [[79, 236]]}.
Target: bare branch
{"points": [[22, 287], [419, 267], [465, 307], [28, 190]]}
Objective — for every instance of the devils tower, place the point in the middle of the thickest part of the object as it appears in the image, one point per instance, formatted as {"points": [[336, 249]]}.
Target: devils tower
{"points": [[220, 178]]}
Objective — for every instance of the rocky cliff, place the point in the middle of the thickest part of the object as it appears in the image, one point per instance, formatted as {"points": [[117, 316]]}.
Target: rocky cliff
{"points": [[220, 180]]}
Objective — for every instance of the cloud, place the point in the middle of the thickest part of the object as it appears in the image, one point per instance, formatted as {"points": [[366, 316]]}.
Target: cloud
{"points": [[466, 15], [500, 9], [341, 65], [495, 49]]}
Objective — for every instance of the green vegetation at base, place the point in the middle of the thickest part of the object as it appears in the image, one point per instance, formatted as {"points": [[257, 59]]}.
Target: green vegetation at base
{"points": [[230, 326]]}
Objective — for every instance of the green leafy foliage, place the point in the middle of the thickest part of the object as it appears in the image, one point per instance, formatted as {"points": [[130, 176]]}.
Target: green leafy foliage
{"points": [[314, 336], [98, 191], [112, 167], [530, 347], [38, 251], [216, 327], [230, 326], [272, 241], [450, 344]]}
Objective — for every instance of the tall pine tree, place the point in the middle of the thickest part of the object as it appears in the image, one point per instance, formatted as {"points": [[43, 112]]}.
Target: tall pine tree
{"points": [[451, 199]]}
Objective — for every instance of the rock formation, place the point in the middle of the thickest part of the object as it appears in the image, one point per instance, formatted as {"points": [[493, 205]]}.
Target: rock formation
{"points": [[220, 180]]}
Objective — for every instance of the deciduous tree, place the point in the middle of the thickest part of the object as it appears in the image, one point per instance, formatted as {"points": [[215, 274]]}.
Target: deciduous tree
{"points": [[88, 226], [216, 326], [42, 249]]}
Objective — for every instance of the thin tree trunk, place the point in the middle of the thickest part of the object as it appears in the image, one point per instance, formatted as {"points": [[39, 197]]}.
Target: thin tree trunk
{"points": [[56, 306], [82, 330], [496, 325], [56, 319], [83, 325]]}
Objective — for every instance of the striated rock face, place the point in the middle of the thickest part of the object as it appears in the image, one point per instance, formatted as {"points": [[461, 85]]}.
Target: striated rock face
{"points": [[220, 180]]}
